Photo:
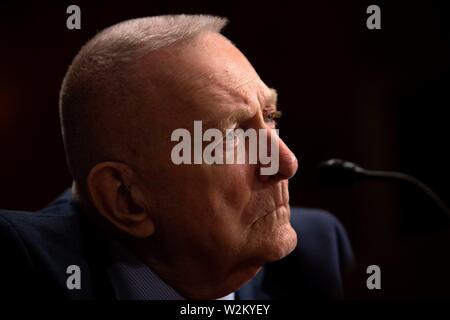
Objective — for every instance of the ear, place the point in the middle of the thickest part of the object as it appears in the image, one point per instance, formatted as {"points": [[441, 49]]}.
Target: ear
{"points": [[116, 195]]}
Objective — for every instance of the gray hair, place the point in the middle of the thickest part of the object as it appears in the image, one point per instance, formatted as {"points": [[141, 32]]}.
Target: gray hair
{"points": [[100, 71], [130, 39]]}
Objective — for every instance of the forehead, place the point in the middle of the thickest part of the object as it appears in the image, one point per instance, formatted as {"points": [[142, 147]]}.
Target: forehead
{"points": [[215, 79], [229, 103], [206, 78]]}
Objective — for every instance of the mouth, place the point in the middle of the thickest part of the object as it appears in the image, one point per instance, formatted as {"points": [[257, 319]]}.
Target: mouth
{"points": [[277, 208], [281, 212], [276, 217]]}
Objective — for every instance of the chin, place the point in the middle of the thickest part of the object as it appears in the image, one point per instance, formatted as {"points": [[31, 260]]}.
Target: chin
{"points": [[281, 244]]}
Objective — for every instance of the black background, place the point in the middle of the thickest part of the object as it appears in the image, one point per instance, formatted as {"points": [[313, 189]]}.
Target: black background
{"points": [[375, 97]]}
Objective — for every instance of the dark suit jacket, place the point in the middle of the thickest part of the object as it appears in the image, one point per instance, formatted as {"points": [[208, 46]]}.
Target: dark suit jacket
{"points": [[36, 249]]}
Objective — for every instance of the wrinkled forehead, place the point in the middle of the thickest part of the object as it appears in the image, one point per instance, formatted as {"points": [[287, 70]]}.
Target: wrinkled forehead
{"points": [[204, 77]]}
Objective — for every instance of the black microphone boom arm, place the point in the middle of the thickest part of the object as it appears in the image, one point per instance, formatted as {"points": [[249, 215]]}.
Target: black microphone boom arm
{"points": [[340, 168]]}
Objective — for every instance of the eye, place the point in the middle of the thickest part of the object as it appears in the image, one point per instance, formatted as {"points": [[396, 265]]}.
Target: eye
{"points": [[230, 136], [271, 118]]}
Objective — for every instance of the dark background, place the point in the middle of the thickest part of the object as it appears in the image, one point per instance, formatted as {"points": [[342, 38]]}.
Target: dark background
{"points": [[375, 97]]}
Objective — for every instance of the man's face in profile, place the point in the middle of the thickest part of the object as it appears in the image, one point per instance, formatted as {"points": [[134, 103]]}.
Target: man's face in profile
{"points": [[227, 215]]}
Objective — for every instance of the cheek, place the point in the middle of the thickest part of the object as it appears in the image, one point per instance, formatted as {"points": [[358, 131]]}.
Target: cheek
{"points": [[232, 191], [228, 196], [211, 200]]}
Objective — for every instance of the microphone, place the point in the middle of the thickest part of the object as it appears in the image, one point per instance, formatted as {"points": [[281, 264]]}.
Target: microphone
{"points": [[337, 170]]}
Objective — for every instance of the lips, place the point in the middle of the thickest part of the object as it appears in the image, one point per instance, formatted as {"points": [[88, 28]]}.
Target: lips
{"points": [[271, 203], [274, 211], [280, 198]]}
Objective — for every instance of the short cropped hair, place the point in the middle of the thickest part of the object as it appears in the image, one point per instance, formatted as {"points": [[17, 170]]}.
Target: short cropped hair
{"points": [[97, 77]]}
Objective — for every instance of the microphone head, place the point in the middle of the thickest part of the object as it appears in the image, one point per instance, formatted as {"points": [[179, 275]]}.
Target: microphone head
{"points": [[337, 171]]}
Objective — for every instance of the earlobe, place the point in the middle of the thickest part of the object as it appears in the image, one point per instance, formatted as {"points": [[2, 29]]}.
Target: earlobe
{"points": [[116, 195]]}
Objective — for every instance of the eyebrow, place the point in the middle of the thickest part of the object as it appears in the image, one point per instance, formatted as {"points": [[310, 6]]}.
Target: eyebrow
{"points": [[273, 97], [270, 99]]}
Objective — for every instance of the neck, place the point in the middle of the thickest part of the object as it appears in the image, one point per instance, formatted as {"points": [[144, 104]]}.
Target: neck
{"points": [[196, 277]]}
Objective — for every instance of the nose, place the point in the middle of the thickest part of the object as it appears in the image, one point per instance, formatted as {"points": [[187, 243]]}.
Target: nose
{"points": [[288, 163]]}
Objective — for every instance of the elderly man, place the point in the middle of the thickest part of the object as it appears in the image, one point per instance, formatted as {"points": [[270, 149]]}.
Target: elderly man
{"points": [[136, 225]]}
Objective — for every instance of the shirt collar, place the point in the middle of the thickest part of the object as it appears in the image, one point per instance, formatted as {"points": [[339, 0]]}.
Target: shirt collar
{"points": [[133, 280]]}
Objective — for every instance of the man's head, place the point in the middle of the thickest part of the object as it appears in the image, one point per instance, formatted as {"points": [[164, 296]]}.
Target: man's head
{"points": [[205, 229]]}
